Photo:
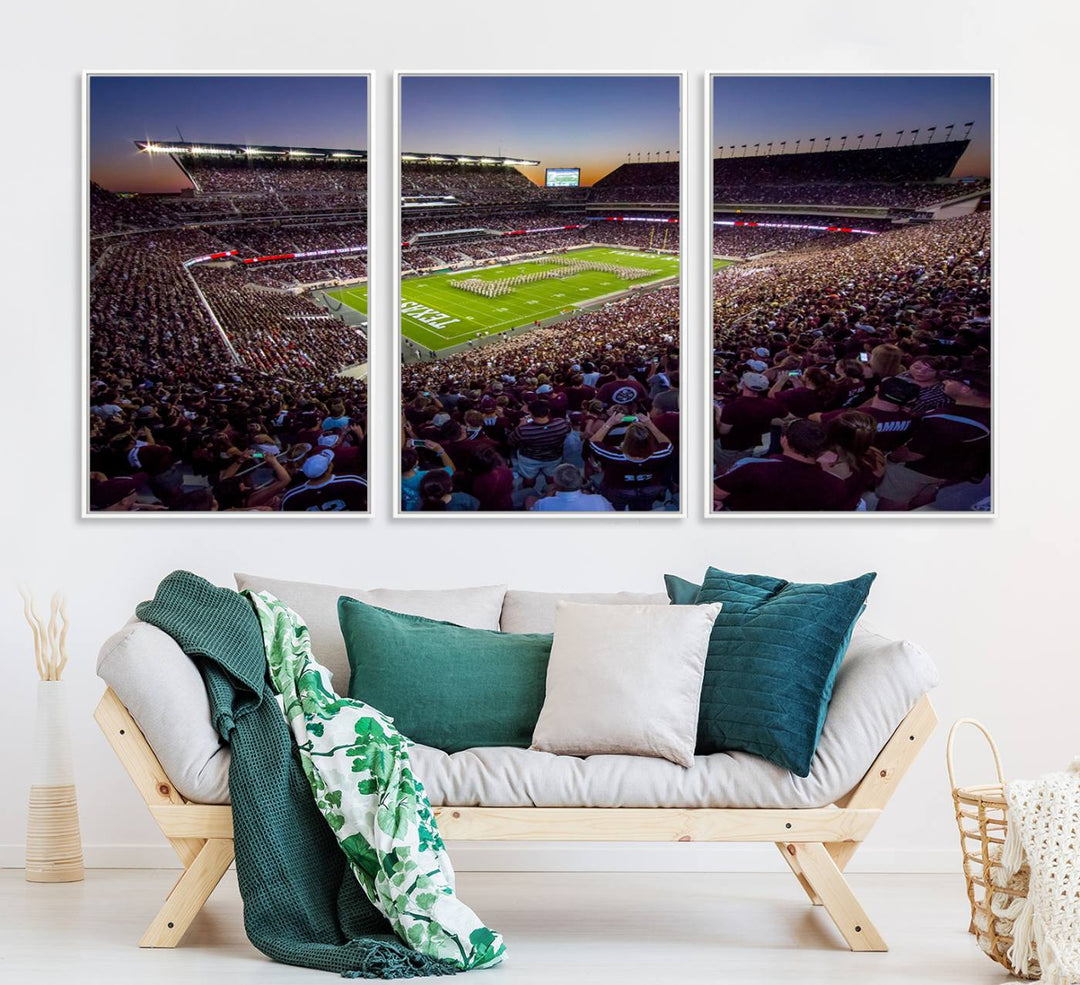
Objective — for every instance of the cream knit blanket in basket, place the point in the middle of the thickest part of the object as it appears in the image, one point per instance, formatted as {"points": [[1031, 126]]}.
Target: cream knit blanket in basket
{"points": [[1044, 832]]}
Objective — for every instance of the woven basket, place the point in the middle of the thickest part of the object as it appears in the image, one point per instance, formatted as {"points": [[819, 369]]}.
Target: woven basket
{"points": [[982, 817]]}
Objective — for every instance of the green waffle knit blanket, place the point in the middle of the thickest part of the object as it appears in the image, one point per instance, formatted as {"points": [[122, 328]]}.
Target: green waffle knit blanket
{"points": [[302, 904]]}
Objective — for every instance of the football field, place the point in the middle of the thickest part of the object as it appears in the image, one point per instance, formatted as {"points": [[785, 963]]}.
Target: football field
{"points": [[436, 315], [720, 264]]}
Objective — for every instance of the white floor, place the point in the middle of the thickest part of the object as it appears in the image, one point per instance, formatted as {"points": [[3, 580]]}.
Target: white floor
{"points": [[559, 927]]}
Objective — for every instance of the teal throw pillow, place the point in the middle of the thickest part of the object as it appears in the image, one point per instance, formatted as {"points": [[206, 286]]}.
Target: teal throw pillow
{"points": [[445, 685], [680, 591], [774, 652]]}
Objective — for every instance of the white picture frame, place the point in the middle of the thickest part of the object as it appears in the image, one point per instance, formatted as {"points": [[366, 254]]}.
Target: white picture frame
{"points": [[85, 511], [395, 297], [706, 378]]}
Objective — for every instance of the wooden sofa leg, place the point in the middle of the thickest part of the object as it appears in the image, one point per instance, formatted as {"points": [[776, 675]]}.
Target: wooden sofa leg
{"points": [[821, 872], [189, 894], [878, 785], [788, 852]]}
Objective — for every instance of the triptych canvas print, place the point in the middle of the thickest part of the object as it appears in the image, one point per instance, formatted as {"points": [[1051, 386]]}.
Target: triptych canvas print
{"points": [[539, 360]]}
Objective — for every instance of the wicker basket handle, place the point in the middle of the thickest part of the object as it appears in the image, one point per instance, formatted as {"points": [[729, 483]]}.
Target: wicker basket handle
{"points": [[986, 735]]}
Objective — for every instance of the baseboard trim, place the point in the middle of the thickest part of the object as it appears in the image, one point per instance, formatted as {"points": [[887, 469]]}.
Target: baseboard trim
{"points": [[479, 856]]}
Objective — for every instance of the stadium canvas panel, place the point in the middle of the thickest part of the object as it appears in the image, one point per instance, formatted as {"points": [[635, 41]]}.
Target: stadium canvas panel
{"points": [[539, 294], [225, 213], [850, 365]]}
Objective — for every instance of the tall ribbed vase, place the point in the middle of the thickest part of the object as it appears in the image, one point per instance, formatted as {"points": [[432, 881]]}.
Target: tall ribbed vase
{"points": [[53, 846]]}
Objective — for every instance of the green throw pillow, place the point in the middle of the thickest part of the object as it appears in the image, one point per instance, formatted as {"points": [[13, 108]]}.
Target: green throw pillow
{"points": [[444, 685], [681, 591], [774, 652]]}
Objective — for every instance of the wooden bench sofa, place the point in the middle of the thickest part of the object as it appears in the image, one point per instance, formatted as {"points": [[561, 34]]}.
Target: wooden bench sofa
{"points": [[816, 843]]}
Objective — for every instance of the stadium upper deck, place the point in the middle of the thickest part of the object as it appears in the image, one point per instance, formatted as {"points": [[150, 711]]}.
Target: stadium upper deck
{"points": [[908, 177]]}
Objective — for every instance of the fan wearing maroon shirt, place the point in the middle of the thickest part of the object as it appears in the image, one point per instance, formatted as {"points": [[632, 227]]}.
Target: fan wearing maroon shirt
{"points": [[888, 408], [577, 393], [556, 399], [492, 480], [497, 426], [634, 474], [791, 482], [664, 413], [743, 420], [850, 455], [325, 492], [463, 442], [952, 445], [808, 394], [624, 389]]}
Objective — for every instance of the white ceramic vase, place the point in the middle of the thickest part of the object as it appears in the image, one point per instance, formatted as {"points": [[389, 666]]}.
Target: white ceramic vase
{"points": [[53, 844]]}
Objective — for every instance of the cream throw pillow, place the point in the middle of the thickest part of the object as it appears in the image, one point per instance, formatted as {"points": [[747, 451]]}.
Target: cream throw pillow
{"points": [[625, 680]]}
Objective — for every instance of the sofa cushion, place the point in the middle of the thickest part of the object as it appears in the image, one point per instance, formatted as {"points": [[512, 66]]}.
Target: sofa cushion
{"points": [[877, 684], [773, 658], [625, 679], [477, 608], [445, 685], [534, 612], [164, 692]]}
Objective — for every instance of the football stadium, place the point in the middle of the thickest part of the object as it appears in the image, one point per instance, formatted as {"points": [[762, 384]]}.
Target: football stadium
{"points": [[539, 337], [219, 378], [851, 327], [446, 310]]}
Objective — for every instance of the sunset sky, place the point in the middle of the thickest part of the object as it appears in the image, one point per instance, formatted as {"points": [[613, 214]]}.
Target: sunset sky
{"points": [[295, 110], [587, 122], [756, 109]]}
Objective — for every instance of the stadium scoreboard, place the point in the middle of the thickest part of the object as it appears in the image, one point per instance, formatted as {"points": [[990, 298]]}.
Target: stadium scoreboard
{"points": [[563, 177]]}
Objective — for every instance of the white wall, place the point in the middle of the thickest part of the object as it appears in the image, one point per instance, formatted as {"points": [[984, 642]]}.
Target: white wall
{"points": [[995, 601]]}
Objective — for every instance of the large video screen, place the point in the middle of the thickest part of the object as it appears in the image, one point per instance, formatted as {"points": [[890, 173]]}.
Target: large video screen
{"points": [[563, 177]]}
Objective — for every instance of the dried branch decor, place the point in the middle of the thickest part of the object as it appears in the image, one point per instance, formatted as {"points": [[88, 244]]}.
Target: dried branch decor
{"points": [[50, 640], [53, 845]]}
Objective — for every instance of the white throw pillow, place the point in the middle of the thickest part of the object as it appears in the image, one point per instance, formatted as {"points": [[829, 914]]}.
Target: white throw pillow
{"points": [[476, 608], [625, 680]]}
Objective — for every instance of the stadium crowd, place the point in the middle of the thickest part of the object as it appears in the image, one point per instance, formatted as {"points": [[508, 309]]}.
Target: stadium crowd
{"points": [[471, 184], [277, 332], [748, 241], [857, 377], [180, 421], [271, 176], [579, 416], [915, 194]]}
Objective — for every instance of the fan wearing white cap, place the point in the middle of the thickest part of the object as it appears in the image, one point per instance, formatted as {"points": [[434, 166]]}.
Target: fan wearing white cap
{"points": [[742, 421], [323, 491]]}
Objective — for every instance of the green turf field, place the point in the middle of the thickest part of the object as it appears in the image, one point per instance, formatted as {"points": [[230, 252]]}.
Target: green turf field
{"points": [[716, 265], [437, 316]]}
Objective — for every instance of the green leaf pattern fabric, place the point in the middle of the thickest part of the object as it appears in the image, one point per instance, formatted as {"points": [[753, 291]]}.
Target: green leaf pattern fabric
{"points": [[357, 764]]}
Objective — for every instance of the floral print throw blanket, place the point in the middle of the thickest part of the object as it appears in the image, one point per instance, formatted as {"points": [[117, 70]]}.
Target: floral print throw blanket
{"points": [[357, 764]]}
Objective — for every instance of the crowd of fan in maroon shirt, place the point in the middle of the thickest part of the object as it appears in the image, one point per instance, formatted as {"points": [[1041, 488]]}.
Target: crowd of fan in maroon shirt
{"points": [[856, 378], [579, 416], [176, 422]]}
